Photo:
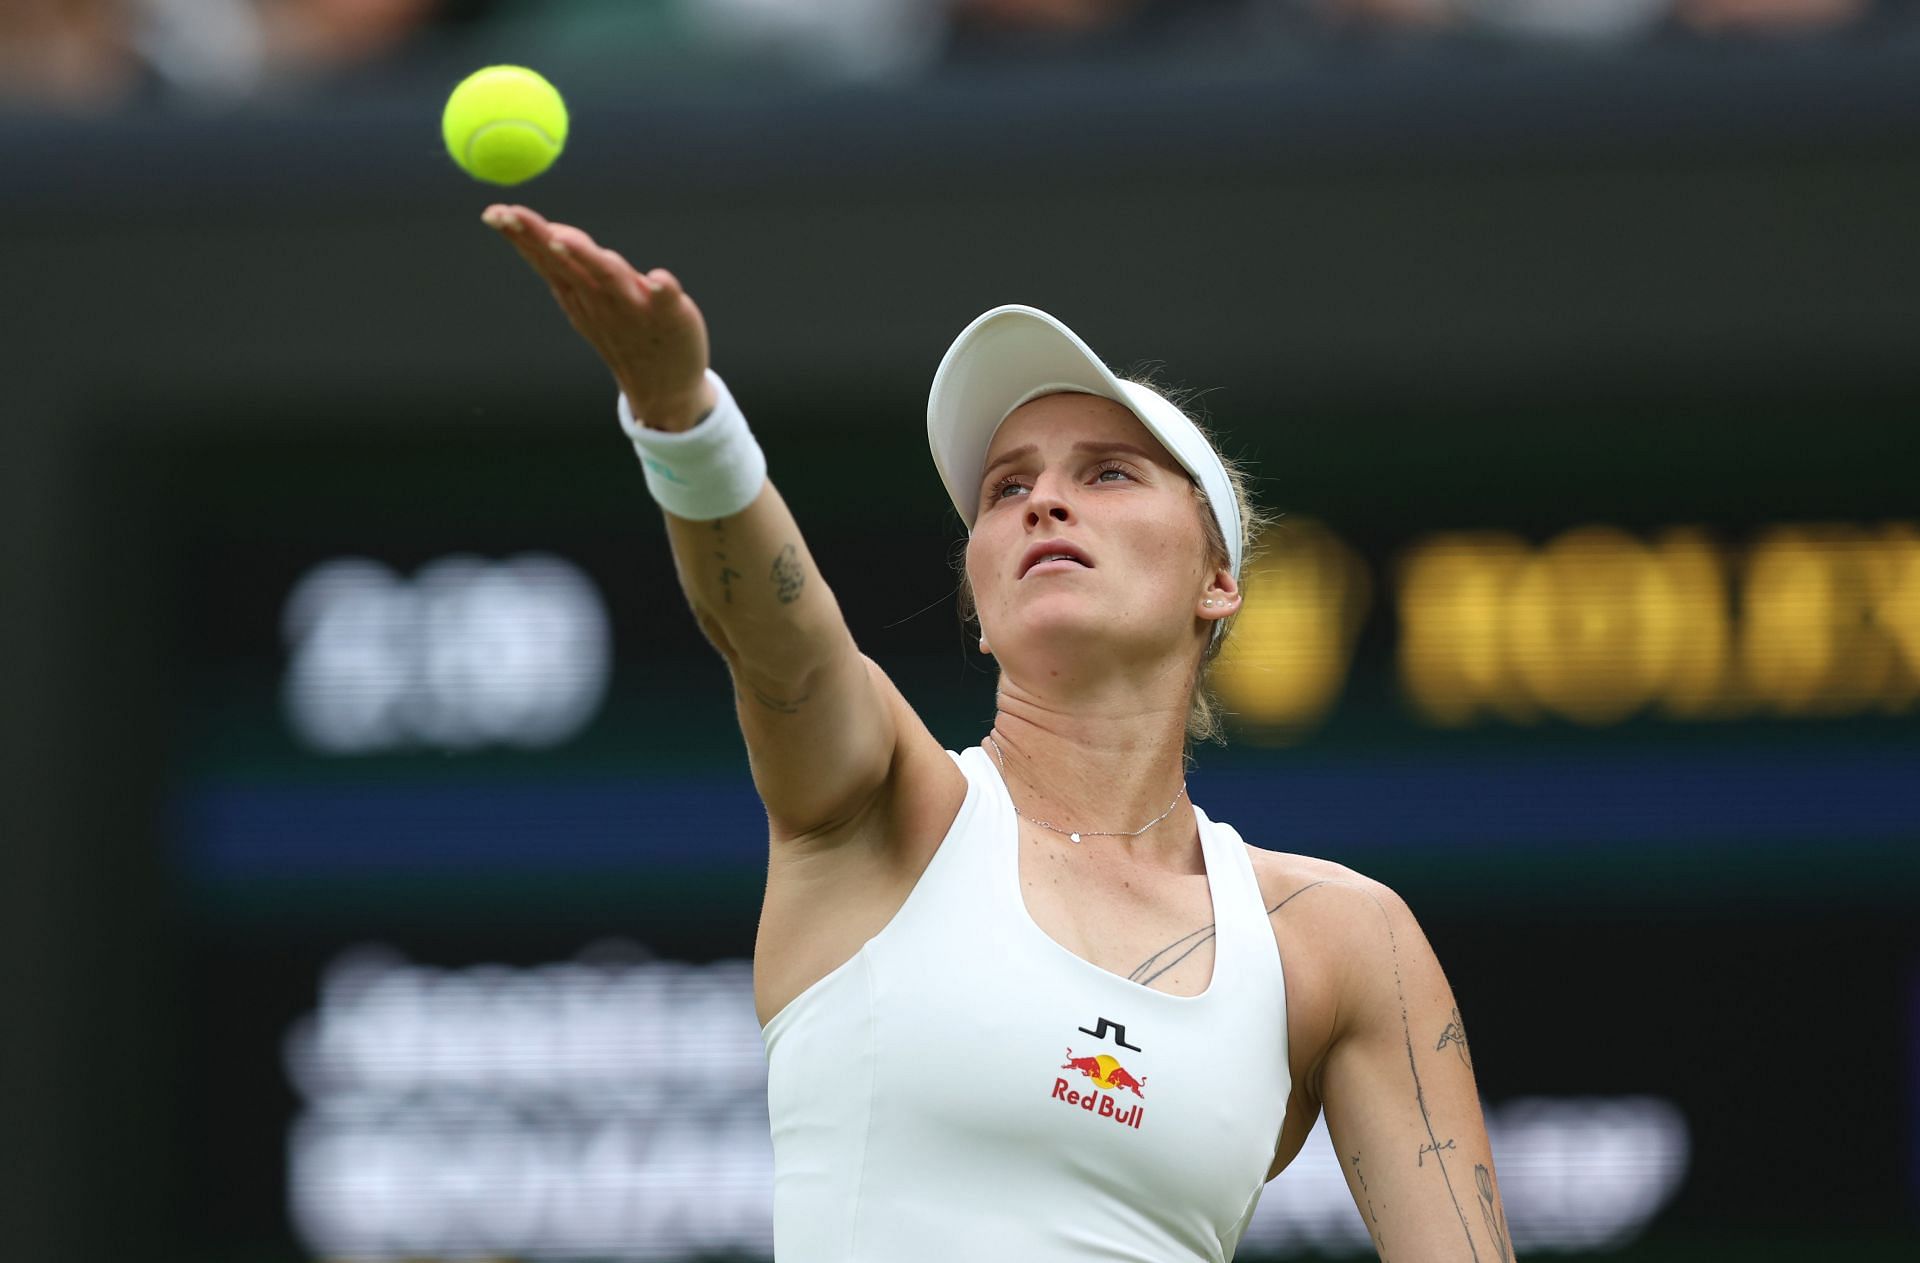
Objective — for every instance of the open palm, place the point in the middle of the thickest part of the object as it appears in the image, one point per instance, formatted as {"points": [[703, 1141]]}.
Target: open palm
{"points": [[644, 325]]}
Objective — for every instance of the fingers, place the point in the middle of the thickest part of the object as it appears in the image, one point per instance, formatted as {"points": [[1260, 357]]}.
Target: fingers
{"points": [[567, 255], [516, 218], [533, 236], [609, 273], [555, 268], [565, 250]]}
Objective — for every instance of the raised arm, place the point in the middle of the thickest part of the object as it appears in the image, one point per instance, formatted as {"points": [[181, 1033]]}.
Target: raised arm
{"points": [[1398, 1087], [820, 733]]}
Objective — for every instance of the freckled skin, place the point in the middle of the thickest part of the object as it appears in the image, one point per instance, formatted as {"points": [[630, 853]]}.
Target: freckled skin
{"points": [[1138, 519]]}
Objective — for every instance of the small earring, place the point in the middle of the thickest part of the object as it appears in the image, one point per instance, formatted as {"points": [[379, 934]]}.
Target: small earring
{"points": [[1208, 601]]}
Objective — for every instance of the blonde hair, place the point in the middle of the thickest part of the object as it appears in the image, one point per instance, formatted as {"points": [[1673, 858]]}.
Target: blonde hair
{"points": [[1205, 714]]}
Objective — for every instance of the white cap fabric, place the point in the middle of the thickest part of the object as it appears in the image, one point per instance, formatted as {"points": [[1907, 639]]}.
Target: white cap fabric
{"points": [[1015, 354]]}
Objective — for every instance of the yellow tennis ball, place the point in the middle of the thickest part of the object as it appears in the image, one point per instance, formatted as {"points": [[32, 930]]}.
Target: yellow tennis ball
{"points": [[504, 124]]}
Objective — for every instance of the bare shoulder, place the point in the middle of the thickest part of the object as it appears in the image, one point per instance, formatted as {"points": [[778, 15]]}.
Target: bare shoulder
{"points": [[1351, 939], [1325, 916], [1353, 928], [1335, 928], [1307, 888]]}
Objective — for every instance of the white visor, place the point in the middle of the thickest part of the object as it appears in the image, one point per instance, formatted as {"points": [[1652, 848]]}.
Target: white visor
{"points": [[1014, 354]]}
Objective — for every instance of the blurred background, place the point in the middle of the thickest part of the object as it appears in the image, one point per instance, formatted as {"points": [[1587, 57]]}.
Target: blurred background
{"points": [[378, 866]]}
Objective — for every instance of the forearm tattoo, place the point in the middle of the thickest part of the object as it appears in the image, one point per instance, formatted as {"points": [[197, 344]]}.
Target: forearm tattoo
{"points": [[788, 575], [727, 573]]}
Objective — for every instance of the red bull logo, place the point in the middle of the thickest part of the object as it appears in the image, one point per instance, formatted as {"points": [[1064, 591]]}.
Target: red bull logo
{"points": [[1107, 1075]]}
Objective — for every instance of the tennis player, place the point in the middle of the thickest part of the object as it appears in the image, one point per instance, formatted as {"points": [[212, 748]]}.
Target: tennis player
{"points": [[1026, 1002]]}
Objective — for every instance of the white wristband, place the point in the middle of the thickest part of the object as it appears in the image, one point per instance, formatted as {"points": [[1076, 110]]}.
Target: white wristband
{"points": [[713, 470]]}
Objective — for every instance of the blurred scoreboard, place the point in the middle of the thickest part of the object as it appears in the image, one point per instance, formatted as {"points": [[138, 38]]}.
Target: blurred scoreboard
{"points": [[1595, 625], [469, 864]]}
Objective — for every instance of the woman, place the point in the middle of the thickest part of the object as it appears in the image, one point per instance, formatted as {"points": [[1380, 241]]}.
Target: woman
{"points": [[1027, 1002]]}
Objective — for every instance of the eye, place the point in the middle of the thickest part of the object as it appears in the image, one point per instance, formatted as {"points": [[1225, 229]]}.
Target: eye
{"points": [[1104, 468]]}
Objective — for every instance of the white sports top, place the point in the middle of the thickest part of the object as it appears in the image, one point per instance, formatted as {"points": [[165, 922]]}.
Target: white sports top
{"points": [[967, 1090]]}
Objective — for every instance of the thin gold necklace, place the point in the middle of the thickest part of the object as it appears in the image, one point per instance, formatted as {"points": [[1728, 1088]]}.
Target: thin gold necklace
{"points": [[1091, 833]]}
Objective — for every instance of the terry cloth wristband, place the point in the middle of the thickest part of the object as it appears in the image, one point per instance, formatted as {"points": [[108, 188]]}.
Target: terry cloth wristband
{"points": [[713, 470]]}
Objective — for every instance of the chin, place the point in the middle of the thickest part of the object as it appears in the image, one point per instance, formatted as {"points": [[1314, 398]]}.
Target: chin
{"points": [[1049, 627]]}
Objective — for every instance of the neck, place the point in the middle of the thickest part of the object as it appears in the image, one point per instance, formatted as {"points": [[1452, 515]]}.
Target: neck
{"points": [[1100, 778]]}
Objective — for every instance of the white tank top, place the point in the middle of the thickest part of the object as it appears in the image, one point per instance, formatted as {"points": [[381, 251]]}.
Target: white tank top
{"points": [[967, 1089]]}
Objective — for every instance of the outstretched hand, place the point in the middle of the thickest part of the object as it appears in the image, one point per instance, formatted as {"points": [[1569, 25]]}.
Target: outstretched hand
{"points": [[643, 324]]}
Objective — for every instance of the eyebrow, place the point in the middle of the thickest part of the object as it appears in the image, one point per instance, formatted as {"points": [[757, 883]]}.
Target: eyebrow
{"points": [[1085, 445]]}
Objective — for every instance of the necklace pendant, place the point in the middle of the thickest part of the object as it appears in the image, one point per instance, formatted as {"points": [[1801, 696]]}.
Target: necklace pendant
{"points": [[1073, 837]]}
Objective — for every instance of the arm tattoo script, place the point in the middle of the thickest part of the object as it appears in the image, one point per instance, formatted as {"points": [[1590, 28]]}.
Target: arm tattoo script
{"points": [[1433, 1144], [788, 576], [727, 573], [1453, 1034]]}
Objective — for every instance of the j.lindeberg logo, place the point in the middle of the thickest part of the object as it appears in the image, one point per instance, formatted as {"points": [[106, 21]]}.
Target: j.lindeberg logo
{"points": [[1119, 1033]]}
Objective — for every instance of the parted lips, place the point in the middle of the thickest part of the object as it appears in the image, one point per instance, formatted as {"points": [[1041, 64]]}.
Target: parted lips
{"points": [[1052, 548]]}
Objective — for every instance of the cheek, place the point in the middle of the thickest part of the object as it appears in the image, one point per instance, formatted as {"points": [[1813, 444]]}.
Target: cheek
{"points": [[979, 576], [1167, 555]]}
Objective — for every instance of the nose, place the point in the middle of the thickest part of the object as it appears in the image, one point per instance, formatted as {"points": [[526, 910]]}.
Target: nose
{"points": [[1046, 501]]}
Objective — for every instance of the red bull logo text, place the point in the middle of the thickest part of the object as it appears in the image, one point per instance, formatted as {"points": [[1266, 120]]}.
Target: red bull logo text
{"points": [[1108, 1075]]}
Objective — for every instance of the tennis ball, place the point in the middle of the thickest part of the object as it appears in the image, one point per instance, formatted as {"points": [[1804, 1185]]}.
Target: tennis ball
{"points": [[504, 124]]}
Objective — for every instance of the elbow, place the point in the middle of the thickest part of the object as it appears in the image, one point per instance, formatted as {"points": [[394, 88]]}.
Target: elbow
{"points": [[716, 635], [782, 673], [779, 648]]}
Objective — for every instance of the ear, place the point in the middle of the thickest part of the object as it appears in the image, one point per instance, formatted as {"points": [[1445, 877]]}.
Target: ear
{"points": [[1221, 598]]}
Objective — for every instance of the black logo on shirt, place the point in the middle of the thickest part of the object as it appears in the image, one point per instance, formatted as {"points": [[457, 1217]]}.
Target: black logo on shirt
{"points": [[1119, 1033]]}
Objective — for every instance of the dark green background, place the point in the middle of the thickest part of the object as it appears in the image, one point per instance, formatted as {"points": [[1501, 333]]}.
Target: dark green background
{"points": [[1481, 292]]}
